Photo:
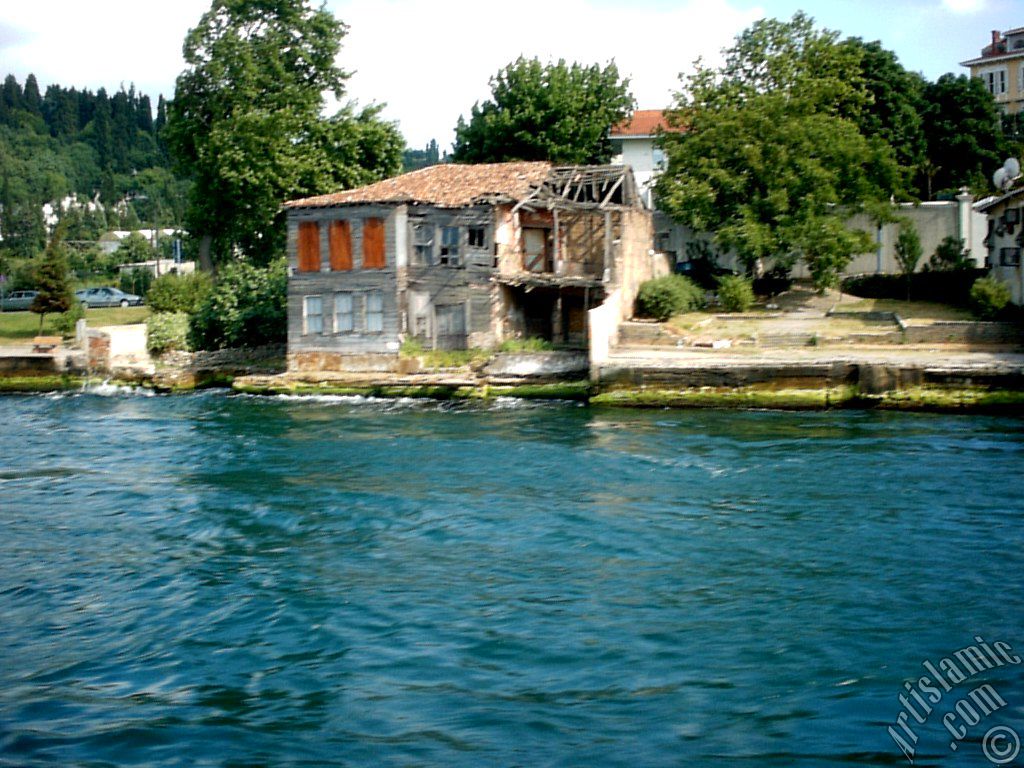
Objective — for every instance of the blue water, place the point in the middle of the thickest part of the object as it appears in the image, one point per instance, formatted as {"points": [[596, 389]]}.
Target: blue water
{"points": [[231, 581]]}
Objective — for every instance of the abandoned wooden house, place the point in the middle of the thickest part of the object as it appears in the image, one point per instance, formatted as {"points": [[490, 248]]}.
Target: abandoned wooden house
{"points": [[460, 256]]}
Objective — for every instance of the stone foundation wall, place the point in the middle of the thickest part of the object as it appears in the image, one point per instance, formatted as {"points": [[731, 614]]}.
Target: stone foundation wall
{"points": [[964, 332], [334, 361]]}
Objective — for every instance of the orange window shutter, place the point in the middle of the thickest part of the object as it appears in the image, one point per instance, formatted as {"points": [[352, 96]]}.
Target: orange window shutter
{"points": [[309, 246], [373, 244], [340, 237]]}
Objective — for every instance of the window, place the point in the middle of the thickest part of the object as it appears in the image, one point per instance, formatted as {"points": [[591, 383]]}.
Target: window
{"points": [[423, 244], [658, 156], [308, 246], [1009, 257], [995, 81], [374, 311], [344, 317], [339, 237], [449, 246], [476, 237], [313, 314], [535, 250], [373, 244]]}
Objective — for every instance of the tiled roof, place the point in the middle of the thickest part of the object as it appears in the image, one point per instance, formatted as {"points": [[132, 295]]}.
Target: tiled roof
{"points": [[645, 122], [446, 186]]}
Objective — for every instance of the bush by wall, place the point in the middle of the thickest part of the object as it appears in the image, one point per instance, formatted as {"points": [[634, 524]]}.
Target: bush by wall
{"points": [[944, 286], [735, 293], [167, 331], [65, 322], [666, 296], [179, 293], [247, 307], [989, 297], [136, 281]]}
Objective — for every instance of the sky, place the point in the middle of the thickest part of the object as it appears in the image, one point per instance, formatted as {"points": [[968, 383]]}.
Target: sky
{"points": [[429, 62]]}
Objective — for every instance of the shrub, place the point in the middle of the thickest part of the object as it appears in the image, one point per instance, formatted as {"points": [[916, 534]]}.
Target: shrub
{"points": [[735, 293], [989, 297], [666, 296], [247, 307], [179, 293], [65, 322], [944, 287], [950, 255], [166, 331], [136, 281]]}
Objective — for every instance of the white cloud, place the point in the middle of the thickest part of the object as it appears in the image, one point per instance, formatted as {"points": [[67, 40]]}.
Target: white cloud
{"points": [[94, 44], [431, 61], [964, 6]]}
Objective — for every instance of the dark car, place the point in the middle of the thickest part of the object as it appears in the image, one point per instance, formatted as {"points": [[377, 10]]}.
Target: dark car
{"points": [[17, 300], [704, 272], [107, 297]]}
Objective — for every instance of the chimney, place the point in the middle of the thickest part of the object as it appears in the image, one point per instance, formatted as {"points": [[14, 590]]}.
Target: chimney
{"points": [[996, 37]]}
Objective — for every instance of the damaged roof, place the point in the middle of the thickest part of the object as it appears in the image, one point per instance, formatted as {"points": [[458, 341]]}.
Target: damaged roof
{"points": [[446, 186]]}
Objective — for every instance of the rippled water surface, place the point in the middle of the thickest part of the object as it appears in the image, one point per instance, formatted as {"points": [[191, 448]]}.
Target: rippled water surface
{"points": [[229, 581]]}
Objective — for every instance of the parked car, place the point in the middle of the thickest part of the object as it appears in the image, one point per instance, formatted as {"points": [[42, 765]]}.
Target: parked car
{"points": [[107, 297], [17, 300]]}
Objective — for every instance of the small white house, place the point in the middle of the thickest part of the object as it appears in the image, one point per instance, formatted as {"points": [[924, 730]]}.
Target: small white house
{"points": [[635, 145], [110, 241], [1005, 239]]}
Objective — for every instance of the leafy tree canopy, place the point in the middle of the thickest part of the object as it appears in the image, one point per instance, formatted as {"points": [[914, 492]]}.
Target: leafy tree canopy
{"points": [[772, 159], [963, 133], [553, 112], [246, 124]]}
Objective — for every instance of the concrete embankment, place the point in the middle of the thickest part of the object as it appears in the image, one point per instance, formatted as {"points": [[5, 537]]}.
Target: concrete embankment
{"points": [[902, 379]]}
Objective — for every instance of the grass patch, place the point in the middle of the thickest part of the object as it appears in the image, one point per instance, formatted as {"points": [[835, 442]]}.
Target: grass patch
{"points": [[22, 327], [908, 310], [534, 344], [443, 358]]}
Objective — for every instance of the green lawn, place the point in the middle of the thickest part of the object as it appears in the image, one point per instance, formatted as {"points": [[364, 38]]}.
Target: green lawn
{"points": [[21, 327], [908, 310]]}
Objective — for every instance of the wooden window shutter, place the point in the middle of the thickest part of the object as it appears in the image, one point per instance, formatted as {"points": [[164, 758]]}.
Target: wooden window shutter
{"points": [[309, 246], [339, 236], [373, 244]]}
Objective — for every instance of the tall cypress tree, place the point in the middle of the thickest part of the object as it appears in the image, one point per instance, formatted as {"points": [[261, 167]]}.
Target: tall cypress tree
{"points": [[31, 97], [52, 279]]}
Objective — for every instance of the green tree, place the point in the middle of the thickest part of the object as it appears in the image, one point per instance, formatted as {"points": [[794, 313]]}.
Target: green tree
{"points": [[134, 249], [773, 161], [52, 280], [908, 251], [893, 110], [31, 97], [245, 123], [553, 112], [963, 130]]}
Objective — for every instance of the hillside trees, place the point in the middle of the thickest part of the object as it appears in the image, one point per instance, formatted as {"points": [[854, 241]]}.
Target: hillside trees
{"points": [[555, 112]]}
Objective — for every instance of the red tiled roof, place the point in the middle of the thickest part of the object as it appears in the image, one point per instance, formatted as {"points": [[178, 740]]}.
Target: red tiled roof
{"points": [[645, 122], [446, 186]]}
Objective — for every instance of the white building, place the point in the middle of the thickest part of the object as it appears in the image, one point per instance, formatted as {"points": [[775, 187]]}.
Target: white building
{"points": [[110, 241], [635, 144], [1005, 240]]}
